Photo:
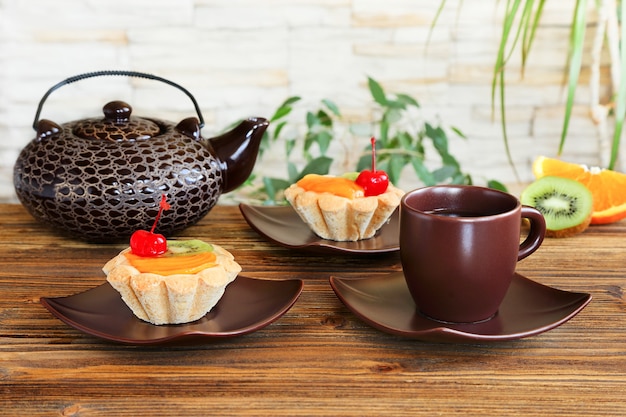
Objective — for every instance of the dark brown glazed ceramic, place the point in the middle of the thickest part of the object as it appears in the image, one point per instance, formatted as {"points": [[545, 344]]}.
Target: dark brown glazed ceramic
{"points": [[283, 226], [529, 308], [102, 178], [247, 305], [458, 269]]}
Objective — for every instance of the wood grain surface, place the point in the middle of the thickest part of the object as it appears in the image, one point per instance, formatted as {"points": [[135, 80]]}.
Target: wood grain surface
{"points": [[319, 359]]}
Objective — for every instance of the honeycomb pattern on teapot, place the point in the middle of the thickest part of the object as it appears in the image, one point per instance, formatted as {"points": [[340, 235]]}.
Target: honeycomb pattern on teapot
{"points": [[101, 190], [103, 129]]}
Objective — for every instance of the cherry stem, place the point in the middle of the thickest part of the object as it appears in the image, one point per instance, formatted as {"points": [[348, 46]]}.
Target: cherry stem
{"points": [[162, 206], [373, 141]]}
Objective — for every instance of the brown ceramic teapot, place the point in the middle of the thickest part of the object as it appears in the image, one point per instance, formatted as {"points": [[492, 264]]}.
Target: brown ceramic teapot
{"points": [[102, 178]]}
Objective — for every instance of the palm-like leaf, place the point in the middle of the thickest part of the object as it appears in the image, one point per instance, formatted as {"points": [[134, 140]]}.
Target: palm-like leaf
{"points": [[620, 108], [521, 19], [577, 38]]}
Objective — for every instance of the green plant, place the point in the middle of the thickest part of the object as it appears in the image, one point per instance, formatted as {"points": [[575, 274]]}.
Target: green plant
{"points": [[402, 140], [317, 139]]}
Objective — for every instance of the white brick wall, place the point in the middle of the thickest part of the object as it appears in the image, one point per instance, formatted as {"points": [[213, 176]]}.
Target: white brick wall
{"points": [[243, 57]]}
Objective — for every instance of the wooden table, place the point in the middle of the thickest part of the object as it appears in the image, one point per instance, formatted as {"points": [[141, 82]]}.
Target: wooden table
{"points": [[319, 358]]}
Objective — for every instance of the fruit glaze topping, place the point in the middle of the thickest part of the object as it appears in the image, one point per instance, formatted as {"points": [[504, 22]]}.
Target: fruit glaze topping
{"points": [[352, 185]]}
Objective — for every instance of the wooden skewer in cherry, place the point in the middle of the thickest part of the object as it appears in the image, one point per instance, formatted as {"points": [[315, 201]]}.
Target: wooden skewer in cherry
{"points": [[148, 243], [373, 182]]}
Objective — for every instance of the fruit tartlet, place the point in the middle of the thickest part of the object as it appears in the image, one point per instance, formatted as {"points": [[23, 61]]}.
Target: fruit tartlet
{"points": [[348, 208], [170, 281]]}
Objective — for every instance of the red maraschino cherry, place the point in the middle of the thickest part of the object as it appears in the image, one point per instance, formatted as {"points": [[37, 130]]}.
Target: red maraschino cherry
{"points": [[373, 182], [144, 243]]}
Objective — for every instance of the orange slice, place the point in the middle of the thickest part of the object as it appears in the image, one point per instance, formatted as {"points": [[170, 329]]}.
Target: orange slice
{"points": [[340, 186], [170, 265], [607, 187]]}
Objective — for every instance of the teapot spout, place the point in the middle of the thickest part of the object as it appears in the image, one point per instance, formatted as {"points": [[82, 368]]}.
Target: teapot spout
{"points": [[238, 149]]}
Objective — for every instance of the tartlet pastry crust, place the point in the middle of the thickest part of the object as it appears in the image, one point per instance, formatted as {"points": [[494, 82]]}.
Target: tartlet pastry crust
{"points": [[342, 219], [171, 299]]}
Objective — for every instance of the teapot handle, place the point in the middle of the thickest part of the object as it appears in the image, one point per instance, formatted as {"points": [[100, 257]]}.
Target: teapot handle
{"points": [[116, 72]]}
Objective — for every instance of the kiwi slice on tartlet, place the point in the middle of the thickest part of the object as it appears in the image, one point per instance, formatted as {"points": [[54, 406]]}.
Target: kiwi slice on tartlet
{"points": [[187, 247], [566, 204]]}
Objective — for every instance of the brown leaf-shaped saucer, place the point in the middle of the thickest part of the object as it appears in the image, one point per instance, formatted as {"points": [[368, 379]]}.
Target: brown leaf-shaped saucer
{"points": [[529, 308], [247, 305], [282, 225]]}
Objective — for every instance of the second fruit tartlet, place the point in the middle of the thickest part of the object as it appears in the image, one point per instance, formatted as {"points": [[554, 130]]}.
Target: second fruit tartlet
{"points": [[336, 208]]}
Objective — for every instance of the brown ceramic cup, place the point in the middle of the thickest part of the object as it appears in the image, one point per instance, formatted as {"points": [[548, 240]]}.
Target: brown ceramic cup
{"points": [[459, 246]]}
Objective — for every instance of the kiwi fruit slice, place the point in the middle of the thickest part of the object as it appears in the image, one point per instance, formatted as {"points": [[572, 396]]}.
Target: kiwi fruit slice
{"points": [[187, 247], [351, 175], [566, 204]]}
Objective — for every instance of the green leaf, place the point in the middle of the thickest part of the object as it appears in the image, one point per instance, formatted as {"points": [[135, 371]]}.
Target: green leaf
{"points": [[443, 173], [323, 140], [290, 144], [332, 107], [496, 185], [319, 166], [249, 181], [392, 116], [395, 104], [439, 138], [501, 57], [505, 136], [434, 22], [498, 81], [292, 172], [461, 178], [280, 113], [365, 162], [265, 143], [377, 91], [383, 132], [577, 38], [422, 172], [268, 183], [523, 30], [450, 160], [284, 109], [311, 120], [419, 147], [405, 140], [324, 118], [458, 132], [278, 128], [396, 163], [407, 100], [291, 100], [529, 32], [620, 109], [273, 186]]}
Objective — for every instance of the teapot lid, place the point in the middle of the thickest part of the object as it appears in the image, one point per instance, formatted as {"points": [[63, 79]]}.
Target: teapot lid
{"points": [[117, 125]]}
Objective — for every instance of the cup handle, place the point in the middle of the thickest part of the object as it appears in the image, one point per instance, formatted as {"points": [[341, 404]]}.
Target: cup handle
{"points": [[536, 233]]}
